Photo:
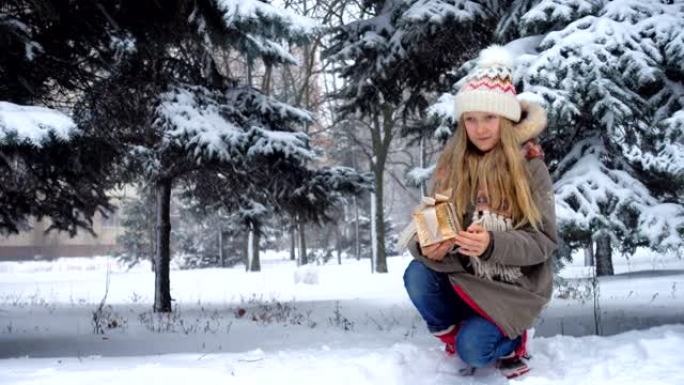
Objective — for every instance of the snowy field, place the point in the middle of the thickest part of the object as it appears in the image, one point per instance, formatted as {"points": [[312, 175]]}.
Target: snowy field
{"points": [[332, 324]]}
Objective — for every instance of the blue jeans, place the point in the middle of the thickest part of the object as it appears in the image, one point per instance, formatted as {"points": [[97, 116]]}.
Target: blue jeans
{"points": [[479, 342]]}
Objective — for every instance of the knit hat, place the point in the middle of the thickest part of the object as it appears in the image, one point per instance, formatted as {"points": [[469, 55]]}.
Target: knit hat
{"points": [[489, 87]]}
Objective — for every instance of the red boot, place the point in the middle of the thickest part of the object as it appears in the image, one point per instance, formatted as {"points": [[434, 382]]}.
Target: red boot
{"points": [[512, 366], [515, 364], [449, 339]]}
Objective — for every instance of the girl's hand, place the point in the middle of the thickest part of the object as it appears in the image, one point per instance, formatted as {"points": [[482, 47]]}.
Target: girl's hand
{"points": [[437, 251], [474, 241]]}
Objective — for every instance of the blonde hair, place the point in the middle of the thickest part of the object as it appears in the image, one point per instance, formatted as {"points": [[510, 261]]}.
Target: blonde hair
{"points": [[461, 166]]}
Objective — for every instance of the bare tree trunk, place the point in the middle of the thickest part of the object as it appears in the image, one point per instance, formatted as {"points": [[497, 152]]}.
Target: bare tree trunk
{"points": [[245, 249], [338, 242], [381, 138], [357, 241], [153, 245], [604, 255], [596, 291], [374, 231], [249, 70], [153, 248], [253, 246], [293, 242], [589, 254], [266, 83], [162, 284], [303, 260], [380, 254]]}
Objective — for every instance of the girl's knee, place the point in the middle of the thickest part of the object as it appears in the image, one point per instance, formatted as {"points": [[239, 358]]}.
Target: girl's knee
{"points": [[472, 352], [476, 342]]}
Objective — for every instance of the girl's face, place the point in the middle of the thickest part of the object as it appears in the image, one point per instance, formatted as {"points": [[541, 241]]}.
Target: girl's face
{"points": [[483, 129]]}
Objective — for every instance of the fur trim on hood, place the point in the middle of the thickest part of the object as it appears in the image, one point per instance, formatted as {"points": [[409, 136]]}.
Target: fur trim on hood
{"points": [[533, 122]]}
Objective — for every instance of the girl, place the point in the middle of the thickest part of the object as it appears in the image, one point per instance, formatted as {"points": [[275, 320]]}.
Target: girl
{"points": [[480, 291]]}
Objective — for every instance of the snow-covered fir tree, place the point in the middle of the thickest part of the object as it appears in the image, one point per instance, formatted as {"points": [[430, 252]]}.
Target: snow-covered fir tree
{"points": [[611, 74]]}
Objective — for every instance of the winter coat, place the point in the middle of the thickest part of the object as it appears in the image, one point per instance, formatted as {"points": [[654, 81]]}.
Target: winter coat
{"points": [[512, 306]]}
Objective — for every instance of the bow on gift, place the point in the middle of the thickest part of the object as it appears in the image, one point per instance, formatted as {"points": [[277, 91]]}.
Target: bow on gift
{"points": [[435, 220]]}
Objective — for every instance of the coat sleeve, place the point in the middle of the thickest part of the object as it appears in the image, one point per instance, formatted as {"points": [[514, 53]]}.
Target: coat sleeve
{"points": [[527, 246]]}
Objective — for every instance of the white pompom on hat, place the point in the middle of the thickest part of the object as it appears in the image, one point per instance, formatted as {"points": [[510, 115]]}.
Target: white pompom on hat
{"points": [[489, 87]]}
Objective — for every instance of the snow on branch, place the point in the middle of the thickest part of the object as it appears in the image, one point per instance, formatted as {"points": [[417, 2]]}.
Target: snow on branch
{"points": [[444, 112], [437, 11], [419, 175], [670, 155], [293, 145], [251, 12], [196, 119], [360, 36], [265, 108], [252, 211], [343, 180], [589, 193], [270, 50], [444, 107], [663, 225], [213, 124], [34, 125], [559, 12]]}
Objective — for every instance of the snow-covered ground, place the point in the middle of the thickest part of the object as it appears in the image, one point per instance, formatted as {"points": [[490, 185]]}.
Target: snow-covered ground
{"points": [[333, 324]]}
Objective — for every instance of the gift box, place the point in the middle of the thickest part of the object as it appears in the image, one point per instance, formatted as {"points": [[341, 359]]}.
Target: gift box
{"points": [[435, 221]]}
